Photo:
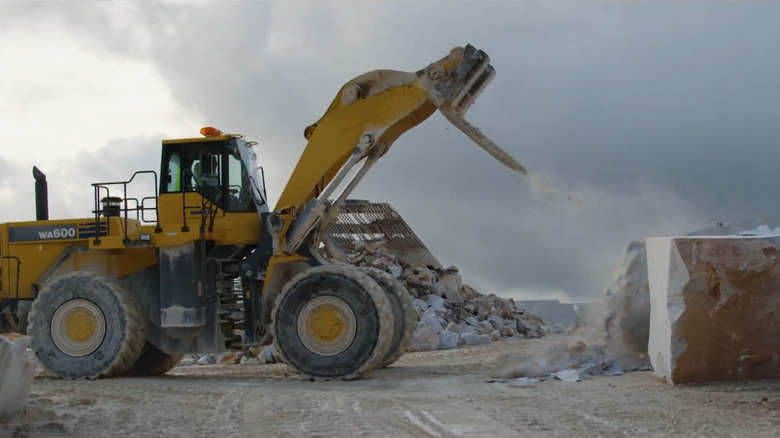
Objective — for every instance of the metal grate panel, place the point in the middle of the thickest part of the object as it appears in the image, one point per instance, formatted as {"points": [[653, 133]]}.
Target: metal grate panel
{"points": [[360, 220]]}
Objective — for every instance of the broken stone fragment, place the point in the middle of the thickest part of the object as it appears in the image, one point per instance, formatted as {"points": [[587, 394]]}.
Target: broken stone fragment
{"points": [[17, 370], [471, 321], [230, 358], [453, 284], [268, 355], [425, 339], [429, 319], [437, 303], [472, 339], [469, 329], [395, 270], [570, 376], [714, 305], [206, 359], [420, 304], [627, 309], [495, 336], [380, 263], [439, 289], [485, 327], [496, 320], [506, 331], [468, 292], [448, 340], [187, 361], [426, 275]]}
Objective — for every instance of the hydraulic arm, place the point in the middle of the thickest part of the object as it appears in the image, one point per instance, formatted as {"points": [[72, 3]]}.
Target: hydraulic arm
{"points": [[368, 114]]}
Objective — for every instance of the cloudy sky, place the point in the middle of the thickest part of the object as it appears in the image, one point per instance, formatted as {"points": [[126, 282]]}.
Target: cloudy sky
{"points": [[655, 118]]}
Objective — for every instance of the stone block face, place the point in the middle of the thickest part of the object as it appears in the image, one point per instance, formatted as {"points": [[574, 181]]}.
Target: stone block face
{"points": [[17, 370], [715, 308]]}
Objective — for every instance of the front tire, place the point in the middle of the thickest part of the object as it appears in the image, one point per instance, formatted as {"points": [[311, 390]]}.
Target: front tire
{"points": [[404, 314], [85, 326], [332, 322]]}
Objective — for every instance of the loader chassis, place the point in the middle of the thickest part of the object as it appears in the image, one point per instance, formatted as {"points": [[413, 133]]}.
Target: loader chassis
{"points": [[203, 265]]}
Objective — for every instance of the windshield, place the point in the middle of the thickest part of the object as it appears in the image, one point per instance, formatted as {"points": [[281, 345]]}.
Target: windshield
{"points": [[249, 159]]}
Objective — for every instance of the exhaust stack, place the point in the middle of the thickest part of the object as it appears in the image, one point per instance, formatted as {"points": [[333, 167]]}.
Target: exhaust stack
{"points": [[41, 195]]}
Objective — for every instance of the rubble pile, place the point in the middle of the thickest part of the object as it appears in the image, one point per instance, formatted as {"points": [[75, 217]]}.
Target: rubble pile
{"points": [[451, 314]]}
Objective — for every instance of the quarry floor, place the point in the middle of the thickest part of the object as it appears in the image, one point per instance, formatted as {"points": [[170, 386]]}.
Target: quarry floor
{"points": [[426, 394]]}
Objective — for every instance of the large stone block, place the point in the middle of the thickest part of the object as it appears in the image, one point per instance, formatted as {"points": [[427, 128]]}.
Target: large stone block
{"points": [[17, 371], [714, 308], [628, 310]]}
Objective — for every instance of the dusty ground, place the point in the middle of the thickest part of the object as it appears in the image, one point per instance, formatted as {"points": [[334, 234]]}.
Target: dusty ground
{"points": [[439, 394]]}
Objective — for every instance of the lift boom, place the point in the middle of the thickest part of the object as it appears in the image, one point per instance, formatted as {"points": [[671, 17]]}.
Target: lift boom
{"points": [[368, 114]]}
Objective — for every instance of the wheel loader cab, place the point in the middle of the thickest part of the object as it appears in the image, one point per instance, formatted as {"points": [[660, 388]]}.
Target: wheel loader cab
{"points": [[212, 169]]}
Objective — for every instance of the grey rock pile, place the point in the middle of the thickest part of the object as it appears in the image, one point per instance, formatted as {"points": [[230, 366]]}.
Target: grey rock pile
{"points": [[451, 314]]}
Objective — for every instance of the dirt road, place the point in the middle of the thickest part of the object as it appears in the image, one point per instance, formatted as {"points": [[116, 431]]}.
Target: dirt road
{"points": [[430, 394]]}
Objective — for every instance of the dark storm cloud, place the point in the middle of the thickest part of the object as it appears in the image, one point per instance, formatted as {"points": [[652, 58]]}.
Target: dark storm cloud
{"points": [[660, 118]]}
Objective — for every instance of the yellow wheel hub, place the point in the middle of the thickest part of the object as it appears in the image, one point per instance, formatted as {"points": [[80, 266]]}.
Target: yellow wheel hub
{"points": [[327, 325], [78, 327]]}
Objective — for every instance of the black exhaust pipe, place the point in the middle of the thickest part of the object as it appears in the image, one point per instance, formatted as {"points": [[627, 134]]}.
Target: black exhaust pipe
{"points": [[41, 195]]}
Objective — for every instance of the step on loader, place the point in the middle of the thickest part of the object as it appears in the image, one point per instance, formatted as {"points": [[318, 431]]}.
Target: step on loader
{"points": [[204, 264]]}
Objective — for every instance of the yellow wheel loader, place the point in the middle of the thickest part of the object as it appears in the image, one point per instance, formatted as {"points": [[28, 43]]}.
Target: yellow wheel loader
{"points": [[204, 265]]}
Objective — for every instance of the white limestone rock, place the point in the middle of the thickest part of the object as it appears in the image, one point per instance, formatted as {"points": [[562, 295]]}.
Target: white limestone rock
{"points": [[474, 339], [628, 310], [206, 359], [448, 340], [17, 370], [496, 320], [420, 304], [268, 354], [485, 327], [425, 339], [437, 303]]}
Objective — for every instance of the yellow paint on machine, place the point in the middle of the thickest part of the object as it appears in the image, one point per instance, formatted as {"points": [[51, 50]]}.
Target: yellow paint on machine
{"points": [[338, 132], [80, 325]]}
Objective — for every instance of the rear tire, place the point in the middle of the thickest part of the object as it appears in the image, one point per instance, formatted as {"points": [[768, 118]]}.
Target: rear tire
{"points": [[85, 326], [153, 362], [332, 322], [404, 314]]}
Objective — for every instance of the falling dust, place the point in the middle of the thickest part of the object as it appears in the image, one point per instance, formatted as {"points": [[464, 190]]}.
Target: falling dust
{"points": [[550, 190], [610, 343]]}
